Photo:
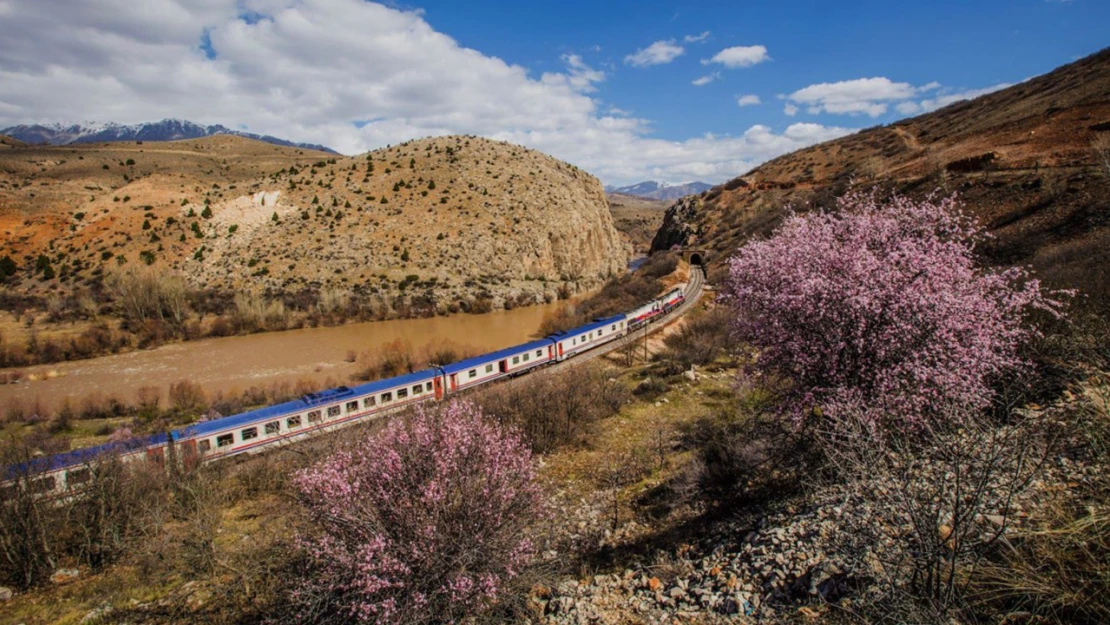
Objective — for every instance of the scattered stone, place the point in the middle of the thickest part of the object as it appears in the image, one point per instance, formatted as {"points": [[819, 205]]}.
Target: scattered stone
{"points": [[64, 576], [6, 593]]}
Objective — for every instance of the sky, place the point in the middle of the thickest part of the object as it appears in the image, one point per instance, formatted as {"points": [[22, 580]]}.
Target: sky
{"points": [[650, 90]]}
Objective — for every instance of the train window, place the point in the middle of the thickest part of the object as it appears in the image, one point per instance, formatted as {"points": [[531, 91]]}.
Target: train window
{"points": [[369, 401], [428, 386], [314, 416], [473, 373], [204, 445], [526, 355], [516, 360], [352, 406], [539, 353], [224, 440], [293, 422], [614, 327], [418, 389], [387, 397], [333, 411], [248, 433], [273, 427], [77, 476], [42, 485], [489, 368], [402, 393]]}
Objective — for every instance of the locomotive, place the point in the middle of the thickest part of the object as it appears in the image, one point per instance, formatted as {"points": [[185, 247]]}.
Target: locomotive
{"points": [[264, 428]]}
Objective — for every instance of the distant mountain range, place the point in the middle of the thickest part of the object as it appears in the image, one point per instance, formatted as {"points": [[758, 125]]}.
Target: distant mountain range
{"points": [[165, 130], [659, 190]]}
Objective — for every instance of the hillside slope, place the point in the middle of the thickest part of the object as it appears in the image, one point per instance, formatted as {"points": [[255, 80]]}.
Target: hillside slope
{"points": [[1021, 159], [436, 221], [8, 142]]}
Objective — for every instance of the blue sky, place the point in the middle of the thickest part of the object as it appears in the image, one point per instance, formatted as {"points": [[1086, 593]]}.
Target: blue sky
{"points": [[963, 45], [609, 86]]}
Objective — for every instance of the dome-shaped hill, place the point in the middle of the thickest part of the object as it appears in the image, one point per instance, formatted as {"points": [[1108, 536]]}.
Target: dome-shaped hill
{"points": [[438, 222]]}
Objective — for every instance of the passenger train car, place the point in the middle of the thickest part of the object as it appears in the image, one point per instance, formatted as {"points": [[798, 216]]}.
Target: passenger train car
{"points": [[265, 428]]}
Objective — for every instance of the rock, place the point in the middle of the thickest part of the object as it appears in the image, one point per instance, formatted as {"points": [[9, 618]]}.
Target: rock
{"points": [[5, 593], [690, 375], [676, 593], [97, 615], [64, 576], [654, 584]]}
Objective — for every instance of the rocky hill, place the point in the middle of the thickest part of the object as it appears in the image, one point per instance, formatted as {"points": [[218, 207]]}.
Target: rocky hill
{"points": [[1026, 162], [637, 218], [443, 221], [165, 130]]}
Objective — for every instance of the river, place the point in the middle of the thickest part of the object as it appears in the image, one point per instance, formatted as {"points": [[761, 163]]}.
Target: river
{"points": [[239, 362]]}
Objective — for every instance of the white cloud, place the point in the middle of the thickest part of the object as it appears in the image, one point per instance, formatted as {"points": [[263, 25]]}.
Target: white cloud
{"points": [[309, 70], [748, 100], [658, 53], [852, 97], [790, 110], [696, 38], [739, 56], [942, 101], [579, 76], [908, 108], [874, 96], [705, 80]]}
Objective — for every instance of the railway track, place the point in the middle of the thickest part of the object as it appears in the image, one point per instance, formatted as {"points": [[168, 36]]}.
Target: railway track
{"points": [[694, 289]]}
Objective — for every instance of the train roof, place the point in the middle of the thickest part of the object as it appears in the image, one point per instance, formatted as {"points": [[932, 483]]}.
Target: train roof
{"points": [[76, 457], [388, 383], [305, 402], [589, 327], [468, 363]]}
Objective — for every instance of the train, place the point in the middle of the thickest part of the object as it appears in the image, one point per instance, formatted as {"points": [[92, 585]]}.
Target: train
{"points": [[265, 428]]}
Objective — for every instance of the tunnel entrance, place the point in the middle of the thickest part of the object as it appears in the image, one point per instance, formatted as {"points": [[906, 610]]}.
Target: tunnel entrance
{"points": [[695, 259]]}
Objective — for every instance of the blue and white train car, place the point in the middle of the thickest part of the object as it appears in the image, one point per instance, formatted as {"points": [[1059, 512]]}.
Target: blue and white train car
{"points": [[57, 475], [316, 412], [570, 342], [506, 362]]}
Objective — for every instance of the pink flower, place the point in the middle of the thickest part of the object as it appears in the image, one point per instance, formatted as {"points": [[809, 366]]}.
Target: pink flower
{"points": [[880, 308], [423, 521]]}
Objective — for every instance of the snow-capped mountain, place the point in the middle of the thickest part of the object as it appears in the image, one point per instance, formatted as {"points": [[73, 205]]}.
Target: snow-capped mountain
{"points": [[165, 130], [661, 190]]}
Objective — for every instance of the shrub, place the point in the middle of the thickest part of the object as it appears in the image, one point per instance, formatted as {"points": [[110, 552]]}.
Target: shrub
{"points": [[701, 340], [421, 522], [554, 410], [882, 306]]}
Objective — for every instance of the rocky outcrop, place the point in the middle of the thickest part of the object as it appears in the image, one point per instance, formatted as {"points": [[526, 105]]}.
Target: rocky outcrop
{"points": [[680, 225]]}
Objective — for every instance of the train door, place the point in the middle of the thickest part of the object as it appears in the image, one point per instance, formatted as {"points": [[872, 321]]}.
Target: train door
{"points": [[157, 455], [454, 382], [438, 382], [189, 454], [503, 366], [551, 352], [560, 350]]}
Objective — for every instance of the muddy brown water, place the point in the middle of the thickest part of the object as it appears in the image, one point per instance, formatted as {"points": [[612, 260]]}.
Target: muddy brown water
{"points": [[237, 363]]}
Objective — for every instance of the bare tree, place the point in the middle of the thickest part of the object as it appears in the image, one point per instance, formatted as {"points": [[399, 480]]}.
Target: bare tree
{"points": [[943, 498]]}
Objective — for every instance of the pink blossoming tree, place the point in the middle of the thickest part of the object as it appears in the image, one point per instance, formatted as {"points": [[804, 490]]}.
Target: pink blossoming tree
{"points": [[423, 522], [880, 309]]}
